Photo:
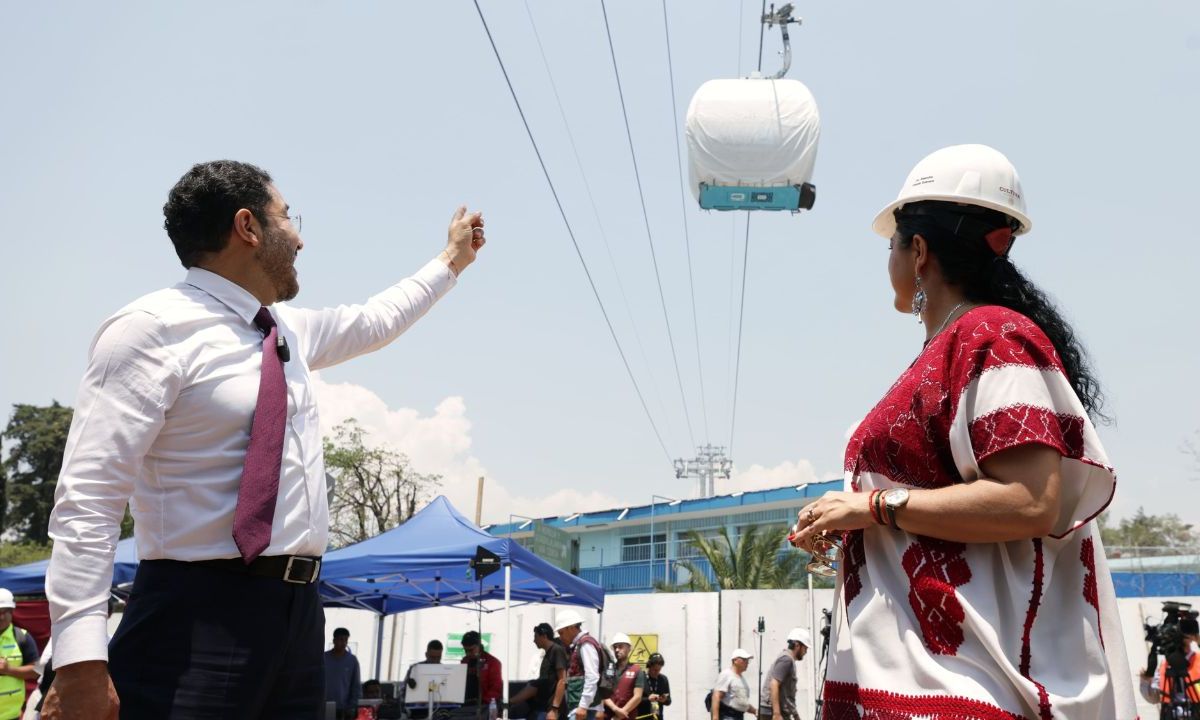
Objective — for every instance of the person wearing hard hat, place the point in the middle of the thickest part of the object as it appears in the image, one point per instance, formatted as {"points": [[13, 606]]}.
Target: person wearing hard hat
{"points": [[730, 698], [777, 700], [18, 655], [583, 668], [631, 681], [974, 583]]}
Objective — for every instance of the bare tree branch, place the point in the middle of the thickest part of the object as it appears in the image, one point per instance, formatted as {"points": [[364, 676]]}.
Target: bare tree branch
{"points": [[375, 487]]}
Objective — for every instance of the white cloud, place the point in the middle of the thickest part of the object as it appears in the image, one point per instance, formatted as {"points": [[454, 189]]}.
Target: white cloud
{"points": [[441, 443], [758, 477]]}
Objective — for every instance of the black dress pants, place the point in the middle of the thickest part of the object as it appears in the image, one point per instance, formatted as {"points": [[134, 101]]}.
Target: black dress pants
{"points": [[202, 642]]}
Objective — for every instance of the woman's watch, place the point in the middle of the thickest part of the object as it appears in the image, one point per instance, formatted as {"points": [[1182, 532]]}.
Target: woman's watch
{"points": [[893, 500]]}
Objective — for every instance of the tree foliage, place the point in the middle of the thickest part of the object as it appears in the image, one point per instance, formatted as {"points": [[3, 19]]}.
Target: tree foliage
{"points": [[374, 488], [759, 559], [19, 553], [1143, 530], [35, 439]]}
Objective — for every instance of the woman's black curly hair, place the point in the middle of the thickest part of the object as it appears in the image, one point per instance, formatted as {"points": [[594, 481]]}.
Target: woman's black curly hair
{"points": [[955, 236]]}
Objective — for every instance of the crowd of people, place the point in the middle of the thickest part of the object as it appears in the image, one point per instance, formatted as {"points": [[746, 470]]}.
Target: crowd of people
{"points": [[578, 677], [571, 683], [730, 698]]}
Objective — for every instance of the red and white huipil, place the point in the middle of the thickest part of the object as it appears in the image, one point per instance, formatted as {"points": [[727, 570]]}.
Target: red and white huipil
{"points": [[932, 629]]}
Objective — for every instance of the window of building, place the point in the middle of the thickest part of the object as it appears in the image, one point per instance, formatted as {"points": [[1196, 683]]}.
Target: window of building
{"points": [[636, 548], [687, 550]]}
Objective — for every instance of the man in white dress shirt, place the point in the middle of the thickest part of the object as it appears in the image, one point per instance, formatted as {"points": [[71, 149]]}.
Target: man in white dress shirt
{"points": [[197, 410]]}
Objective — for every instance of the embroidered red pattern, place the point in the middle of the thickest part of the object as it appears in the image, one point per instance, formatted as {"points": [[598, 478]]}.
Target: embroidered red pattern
{"points": [[1021, 424], [1087, 555], [935, 568], [842, 701], [1035, 601], [905, 436], [854, 554]]}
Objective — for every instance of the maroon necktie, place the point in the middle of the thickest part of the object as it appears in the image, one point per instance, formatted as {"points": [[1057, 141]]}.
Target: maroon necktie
{"points": [[264, 454]]}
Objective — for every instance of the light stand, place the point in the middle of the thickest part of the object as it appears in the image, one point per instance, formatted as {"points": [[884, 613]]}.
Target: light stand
{"points": [[762, 627], [826, 622]]}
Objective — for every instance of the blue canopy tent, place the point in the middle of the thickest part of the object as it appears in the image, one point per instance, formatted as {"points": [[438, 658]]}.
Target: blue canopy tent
{"points": [[30, 578], [427, 562]]}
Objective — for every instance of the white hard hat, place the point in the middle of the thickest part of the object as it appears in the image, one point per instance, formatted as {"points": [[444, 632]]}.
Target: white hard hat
{"points": [[740, 653], [6, 600], [566, 619], [620, 638], [799, 634], [969, 174]]}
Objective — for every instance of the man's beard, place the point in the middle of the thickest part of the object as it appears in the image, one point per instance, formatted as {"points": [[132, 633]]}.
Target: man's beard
{"points": [[278, 261]]}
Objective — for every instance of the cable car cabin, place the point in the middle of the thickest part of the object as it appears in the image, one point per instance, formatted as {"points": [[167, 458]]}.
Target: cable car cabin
{"points": [[752, 144]]}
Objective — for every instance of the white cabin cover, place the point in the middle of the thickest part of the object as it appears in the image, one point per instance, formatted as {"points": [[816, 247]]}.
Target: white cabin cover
{"points": [[752, 131]]}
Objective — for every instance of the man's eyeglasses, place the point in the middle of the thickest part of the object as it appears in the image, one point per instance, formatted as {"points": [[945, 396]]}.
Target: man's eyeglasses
{"points": [[293, 219]]}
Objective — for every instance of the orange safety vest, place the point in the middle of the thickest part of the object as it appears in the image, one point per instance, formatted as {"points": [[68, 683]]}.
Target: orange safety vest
{"points": [[1193, 692]]}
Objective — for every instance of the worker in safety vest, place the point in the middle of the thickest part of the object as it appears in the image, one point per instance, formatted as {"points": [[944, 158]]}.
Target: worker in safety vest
{"points": [[631, 682], [18, 653]]}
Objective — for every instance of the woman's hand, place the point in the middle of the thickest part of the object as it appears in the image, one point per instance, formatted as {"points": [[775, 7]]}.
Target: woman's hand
{"points": [[832, 512]]}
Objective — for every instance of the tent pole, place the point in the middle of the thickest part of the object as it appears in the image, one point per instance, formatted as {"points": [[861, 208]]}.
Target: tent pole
{"points": [[397, 644], [378, 644], [508, 638]]}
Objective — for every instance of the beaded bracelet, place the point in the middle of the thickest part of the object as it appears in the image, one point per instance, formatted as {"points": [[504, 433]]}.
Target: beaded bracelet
{"points": [[874, 506], [880, 517]]}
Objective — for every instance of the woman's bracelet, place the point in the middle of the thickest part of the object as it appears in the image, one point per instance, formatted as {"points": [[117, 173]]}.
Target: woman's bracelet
{"points": [[873, 503], [877, 508]]}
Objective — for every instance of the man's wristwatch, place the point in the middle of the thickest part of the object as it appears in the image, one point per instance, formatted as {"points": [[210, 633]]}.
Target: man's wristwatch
{"points": [[893, 500]]}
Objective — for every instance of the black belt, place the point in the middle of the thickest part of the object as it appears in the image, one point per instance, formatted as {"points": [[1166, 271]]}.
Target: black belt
{"points": [[297, 569]]}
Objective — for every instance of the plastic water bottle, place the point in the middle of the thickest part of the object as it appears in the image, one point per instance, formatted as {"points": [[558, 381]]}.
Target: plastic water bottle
{"points": [[492, 712]]}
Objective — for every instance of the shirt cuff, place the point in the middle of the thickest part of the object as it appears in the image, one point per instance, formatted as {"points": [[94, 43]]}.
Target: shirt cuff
{"points": [[438, 276], [80, 639]]}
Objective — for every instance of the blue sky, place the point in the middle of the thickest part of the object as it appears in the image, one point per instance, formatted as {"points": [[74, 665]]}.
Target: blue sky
{"points": [[377, 119]]}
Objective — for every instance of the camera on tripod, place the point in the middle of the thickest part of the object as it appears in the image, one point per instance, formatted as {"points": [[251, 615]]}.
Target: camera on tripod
{"points": [[1167, 637]]}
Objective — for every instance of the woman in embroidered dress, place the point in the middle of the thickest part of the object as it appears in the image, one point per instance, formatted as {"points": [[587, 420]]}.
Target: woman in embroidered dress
{"points": [[972, 582]]}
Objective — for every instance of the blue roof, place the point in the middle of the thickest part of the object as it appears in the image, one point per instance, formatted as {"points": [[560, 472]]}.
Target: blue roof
{"points": [[667, 509]]}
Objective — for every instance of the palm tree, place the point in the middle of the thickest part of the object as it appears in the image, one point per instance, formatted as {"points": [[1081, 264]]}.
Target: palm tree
{"points": [[759, 559]]}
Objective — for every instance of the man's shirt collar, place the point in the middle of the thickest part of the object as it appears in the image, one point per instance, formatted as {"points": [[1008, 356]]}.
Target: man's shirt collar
{"points": [[233, 296]]}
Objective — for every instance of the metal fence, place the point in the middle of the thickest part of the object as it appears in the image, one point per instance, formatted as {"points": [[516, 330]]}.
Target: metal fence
{"points": [[1154, 571], [640, 577]]}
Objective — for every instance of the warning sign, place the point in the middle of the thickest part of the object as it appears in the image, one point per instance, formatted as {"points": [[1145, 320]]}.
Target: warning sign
{"points": [[643, 647]]}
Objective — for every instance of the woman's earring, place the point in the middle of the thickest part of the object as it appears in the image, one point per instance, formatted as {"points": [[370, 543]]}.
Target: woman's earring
{"points": [[919, 300]]}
